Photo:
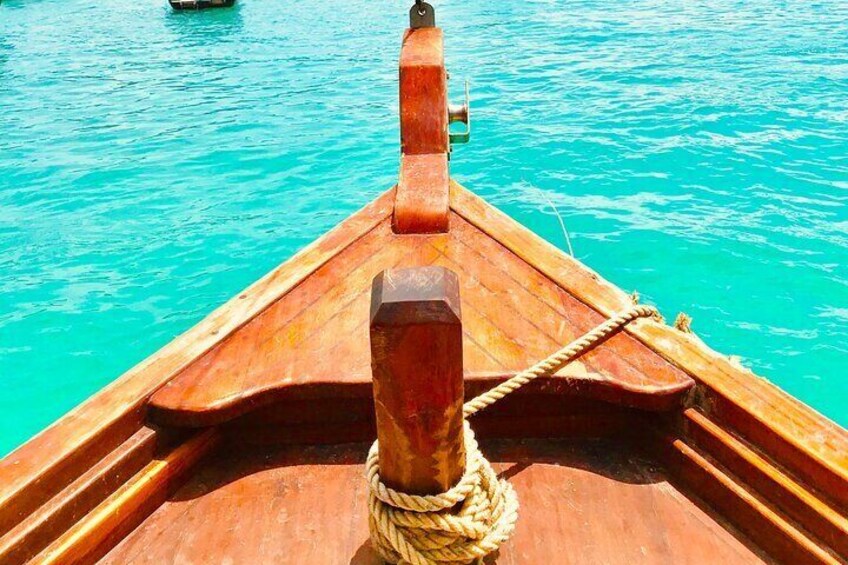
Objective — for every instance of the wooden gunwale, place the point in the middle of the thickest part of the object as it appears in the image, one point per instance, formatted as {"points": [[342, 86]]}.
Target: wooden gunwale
{"points": [[720, 491], [744, 461], [802, 440], [121, 512], [40, 468], [35, 532], [798, 508]]}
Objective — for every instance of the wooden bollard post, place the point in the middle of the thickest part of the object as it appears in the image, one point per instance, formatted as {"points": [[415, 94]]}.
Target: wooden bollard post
{"points": [[416, 361]]}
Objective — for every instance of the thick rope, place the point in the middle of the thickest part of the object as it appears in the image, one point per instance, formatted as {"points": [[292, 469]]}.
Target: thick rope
{"points": [[428, 530], [558, 360]]}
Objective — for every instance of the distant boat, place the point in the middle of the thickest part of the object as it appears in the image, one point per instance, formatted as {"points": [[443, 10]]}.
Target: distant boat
{"points": [[244, 440], [200, 4]]}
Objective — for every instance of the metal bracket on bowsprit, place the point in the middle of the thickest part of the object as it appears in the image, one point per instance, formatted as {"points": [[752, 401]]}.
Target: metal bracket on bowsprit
{"points": [[422, 14]]}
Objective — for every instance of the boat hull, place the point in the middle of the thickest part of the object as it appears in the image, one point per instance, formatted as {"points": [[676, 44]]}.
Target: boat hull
{"points": [[200, 4], [720, 457]]}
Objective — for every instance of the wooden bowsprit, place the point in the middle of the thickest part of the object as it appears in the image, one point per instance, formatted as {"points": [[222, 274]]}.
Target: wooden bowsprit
{"points": [[422, 201]]}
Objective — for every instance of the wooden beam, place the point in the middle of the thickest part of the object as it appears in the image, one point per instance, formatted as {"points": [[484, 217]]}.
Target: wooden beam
{"points": [[422, 201], [62, 511], [115, 517], [769, 481], [416, 360], [423, 93]]}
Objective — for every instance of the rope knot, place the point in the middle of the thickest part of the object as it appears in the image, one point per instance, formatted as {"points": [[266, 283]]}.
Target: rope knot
{"points": [[423, 530], [427, 530]]}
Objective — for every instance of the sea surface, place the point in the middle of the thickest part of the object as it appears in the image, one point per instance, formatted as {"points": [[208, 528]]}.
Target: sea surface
{"points": [[153, 163]]}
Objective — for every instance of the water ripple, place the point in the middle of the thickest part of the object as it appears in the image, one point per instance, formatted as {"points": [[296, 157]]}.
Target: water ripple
{"points": [[153, 163]]}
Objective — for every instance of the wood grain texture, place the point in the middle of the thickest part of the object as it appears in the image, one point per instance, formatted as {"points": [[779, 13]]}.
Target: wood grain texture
{"points": [[771, 483], [119, 514], [423, 93], [722, 492], [422, 198], [416, 362], [809, 445], [53, 518], [581, 502], [513, 316]]}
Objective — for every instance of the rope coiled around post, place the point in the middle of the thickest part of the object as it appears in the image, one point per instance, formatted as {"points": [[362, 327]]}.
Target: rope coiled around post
{"points": [[428, 530]]}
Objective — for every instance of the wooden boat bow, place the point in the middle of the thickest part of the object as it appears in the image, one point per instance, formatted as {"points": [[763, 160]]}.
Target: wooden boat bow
{"points": [[223, 445], [516, 315]]}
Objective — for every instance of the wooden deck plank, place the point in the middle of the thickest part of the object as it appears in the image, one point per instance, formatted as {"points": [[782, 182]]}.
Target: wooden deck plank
{"points": [[810, 445], [475, 356], [263, 350], [514, 316], [535, 343], [581, 502], [347, 337], [227, 368], [565, 317], [327, 323]]}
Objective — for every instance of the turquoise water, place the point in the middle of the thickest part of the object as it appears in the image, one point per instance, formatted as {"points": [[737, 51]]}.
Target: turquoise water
{"points": [[152, 164]]}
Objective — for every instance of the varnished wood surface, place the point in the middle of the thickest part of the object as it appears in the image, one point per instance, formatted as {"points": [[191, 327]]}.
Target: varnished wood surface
{"points": [[800, 504], [121, 512], [40, 528], [416, 363], [802, 440], [513, 316], [423, 93], [749, 452], [581, 502], [422, 198]]}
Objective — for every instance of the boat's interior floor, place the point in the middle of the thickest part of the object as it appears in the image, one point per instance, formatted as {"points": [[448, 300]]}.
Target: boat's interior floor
{"points": [[582, 501], [317, 333], [695, 449]]}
